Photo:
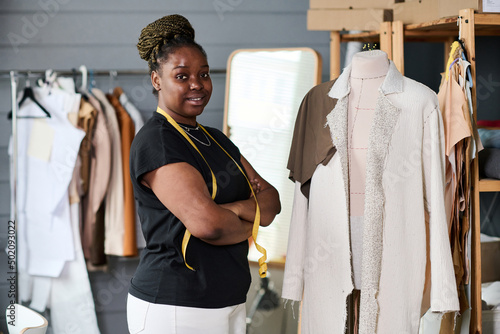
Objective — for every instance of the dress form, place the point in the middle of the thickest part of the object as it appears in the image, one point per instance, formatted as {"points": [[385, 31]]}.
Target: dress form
{"points": [[368, 72]]}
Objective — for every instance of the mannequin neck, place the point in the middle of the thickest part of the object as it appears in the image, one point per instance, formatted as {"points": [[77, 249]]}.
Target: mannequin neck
{"points": [[369, 64]]}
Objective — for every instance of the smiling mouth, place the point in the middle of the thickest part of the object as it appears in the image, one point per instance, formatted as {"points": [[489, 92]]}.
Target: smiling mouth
{"points": [[195, 98]]}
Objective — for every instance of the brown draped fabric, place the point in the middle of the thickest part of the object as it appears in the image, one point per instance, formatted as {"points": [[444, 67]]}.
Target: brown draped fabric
{"points": [[311, 144]]}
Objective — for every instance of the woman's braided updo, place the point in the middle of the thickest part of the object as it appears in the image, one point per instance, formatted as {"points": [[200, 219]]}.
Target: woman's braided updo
{"points": [[162, 37]]}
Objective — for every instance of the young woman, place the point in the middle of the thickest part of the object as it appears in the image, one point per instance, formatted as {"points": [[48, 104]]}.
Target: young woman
{"points": [[194, 199]]}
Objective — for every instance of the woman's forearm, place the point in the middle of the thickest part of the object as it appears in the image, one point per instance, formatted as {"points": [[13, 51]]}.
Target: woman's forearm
{"points": [[231, 230], [269, 205]]}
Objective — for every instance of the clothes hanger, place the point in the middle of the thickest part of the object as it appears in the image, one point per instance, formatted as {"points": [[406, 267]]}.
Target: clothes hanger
{"points": [[84, 81], [83, 87], [112, 77], [28, 94], [464, 50]]}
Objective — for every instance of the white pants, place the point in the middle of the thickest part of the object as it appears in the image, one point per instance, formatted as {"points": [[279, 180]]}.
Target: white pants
{"points": [[149, 318]]}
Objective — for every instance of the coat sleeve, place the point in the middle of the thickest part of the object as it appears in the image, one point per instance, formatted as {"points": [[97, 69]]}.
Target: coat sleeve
{"points": [[293, 281], [444, 297]]}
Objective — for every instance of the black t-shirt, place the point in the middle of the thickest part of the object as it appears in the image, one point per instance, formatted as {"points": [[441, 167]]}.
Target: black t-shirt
{"points": [[222, 275]]}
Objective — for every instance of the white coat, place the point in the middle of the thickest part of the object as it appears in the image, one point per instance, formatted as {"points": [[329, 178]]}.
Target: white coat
{"points": [[405, 220]]}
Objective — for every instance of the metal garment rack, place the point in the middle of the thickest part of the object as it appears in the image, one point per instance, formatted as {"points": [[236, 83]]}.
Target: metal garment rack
{"points": [[14, 75], [38, 73]]}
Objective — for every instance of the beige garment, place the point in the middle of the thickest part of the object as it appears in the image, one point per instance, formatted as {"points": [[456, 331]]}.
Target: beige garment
{"points": [[457, 126], [114, 228], [100, 169], [458, 135]]}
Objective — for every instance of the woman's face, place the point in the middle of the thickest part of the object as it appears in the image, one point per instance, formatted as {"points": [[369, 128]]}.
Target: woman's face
{"points": [[184, 85]]}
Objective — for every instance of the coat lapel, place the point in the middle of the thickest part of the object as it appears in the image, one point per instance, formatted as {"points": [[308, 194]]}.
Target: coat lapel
{"points": [[384, 121], [337, 121], [382, 128]]}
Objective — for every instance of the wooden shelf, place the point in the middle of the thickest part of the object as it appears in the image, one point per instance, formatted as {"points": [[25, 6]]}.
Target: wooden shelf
{"points": [[440, 30], [489, 185], [440, 26]]}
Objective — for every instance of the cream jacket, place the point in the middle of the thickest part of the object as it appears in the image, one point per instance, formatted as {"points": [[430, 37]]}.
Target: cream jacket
{"points": [[405, 220]]}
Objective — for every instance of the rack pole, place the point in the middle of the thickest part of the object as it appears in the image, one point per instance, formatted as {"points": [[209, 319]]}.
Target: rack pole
{"points": [[13, 84]]}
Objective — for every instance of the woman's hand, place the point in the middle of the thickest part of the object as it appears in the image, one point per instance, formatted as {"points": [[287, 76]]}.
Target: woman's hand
{"points": [[267, 196], [255, 186]]}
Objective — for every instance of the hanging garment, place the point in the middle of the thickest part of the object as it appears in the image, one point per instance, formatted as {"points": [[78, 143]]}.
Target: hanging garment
{"points": [[72, 308], [134, 113], [47, 152], [100, 169], [114, 228], [457, 132], [404, 182], [138, 123], [127, 132], [312, 140], [86, 121]]}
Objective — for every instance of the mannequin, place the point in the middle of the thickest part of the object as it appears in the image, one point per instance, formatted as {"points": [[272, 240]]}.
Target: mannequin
{"points": [[369, 69], [367, 162]]}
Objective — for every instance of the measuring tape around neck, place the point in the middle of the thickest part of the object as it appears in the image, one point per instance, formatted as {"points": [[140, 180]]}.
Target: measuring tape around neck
{"points": [[256, 223]]}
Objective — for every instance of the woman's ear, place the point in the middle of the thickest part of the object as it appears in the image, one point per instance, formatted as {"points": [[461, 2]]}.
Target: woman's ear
{"points": [[155, 80]]}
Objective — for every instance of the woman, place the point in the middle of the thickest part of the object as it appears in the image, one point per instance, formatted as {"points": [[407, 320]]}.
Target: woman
{"points": [[194, 201]]}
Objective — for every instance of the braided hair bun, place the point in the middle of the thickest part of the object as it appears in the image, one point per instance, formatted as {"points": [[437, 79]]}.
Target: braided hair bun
{"points": [[160, 32]]}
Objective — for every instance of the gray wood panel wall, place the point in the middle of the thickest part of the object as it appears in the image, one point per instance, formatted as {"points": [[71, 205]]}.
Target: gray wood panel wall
{"points": [[64, 34]]}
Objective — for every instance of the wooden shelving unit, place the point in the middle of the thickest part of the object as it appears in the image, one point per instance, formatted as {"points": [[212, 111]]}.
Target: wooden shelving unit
{"points": [[489, 185]]}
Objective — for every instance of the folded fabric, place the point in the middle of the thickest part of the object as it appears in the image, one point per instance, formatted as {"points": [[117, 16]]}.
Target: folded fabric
{"points": [[489, 163], [490, 137]]}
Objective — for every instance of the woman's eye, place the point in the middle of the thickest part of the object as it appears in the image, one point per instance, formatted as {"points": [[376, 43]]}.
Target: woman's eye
{"points": [[205, 75], [181, 77]]}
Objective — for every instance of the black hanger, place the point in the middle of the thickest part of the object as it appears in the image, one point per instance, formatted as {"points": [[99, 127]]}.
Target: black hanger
{"points": [[28, 94], [461, 42]]}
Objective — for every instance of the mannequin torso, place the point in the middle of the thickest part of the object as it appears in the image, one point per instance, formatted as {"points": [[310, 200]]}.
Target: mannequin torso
{"points": [[368, 72]]}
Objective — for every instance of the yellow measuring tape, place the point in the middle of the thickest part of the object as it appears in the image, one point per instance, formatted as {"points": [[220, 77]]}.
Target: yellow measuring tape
{"points": [[256, 222]]}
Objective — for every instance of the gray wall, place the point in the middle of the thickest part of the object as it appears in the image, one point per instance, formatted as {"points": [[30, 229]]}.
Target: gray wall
{"points": [[63, 34]]}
